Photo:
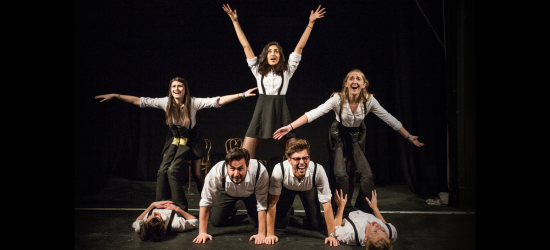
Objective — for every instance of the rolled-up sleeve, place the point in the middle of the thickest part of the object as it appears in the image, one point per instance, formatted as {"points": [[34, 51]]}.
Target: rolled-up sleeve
{"points": [[253, 65], [275, 182], [331, 104], [379, 111], [137, 225], [148, 102], [208, 102], [293, 61], [323, 188], [262, 187], [181, 224], [212, 183]]}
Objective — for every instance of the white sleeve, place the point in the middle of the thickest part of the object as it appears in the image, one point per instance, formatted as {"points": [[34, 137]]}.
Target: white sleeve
{"points": [[394, 233], [253, 65], [379, 111], [323, 188], [148, 102], [137, 225], [180, 224], [201, 103], [275, 182], [293, 61], [212, 183], [262, 187], [344, 235], [332, 103]]}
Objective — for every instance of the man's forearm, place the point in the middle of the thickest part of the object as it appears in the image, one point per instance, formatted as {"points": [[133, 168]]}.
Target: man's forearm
{"points": [[204, 212], [262, 222], [328, 217]]}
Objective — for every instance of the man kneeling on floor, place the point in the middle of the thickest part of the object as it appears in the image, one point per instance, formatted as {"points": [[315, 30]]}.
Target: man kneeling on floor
{"points": [[299, 176], [355, 227], [162, 217], [236, 178]]}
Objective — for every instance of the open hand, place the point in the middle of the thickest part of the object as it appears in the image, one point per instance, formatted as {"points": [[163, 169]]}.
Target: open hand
{"points": [[281, 132], [414, 140], [317, 14], [373, 202], [105, 97], [333, 242], [161, 204], [340, 198], [202, 237], [232, 14], [249, 92], [258, 238], [270, 240]]}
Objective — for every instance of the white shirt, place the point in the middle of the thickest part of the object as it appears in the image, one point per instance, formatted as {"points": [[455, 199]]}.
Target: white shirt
{"points": [[179, 224], [353, 119], [272, 81], [345, 233], [196, 104], [213, 183], [292, 183]]}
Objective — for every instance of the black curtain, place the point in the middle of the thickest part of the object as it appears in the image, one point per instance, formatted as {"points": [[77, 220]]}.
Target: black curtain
{"points": [[135, 48]]}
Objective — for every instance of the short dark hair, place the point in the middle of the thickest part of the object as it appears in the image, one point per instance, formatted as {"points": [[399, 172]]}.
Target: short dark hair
{"points": [[236, 154], [297, 146], [152, 230]]}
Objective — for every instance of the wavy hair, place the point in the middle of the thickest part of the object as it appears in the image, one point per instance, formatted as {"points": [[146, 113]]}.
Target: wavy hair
{"points": [[264, 68], [364, 95], [173, 112], [297, 146]]}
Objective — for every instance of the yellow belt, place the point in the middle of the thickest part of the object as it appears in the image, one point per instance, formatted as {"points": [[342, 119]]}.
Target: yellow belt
{"points": [[179, 141]]}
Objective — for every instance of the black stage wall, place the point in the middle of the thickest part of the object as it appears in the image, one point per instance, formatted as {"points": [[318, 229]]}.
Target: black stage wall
{"points": [[136, 47]]}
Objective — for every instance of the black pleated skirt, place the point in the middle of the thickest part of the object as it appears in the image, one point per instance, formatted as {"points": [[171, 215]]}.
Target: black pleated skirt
{"points": [[270, 114]]}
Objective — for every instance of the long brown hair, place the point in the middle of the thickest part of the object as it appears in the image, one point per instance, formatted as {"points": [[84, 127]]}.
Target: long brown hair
{"points": [[364, 95], [265, 68], [173, 110]]}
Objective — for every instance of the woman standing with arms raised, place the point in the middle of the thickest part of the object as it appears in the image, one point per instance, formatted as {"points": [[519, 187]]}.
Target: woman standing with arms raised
{"points": [[272, 73]]}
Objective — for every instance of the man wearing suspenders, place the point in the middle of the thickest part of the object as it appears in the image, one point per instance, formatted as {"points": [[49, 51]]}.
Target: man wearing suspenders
{"points": [[355, 227], [166, 218], [299, 176], [236, 178]]}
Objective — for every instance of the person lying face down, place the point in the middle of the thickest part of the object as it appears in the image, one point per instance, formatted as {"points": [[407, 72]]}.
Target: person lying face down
{"points": [[162, 217], [376, 233]]}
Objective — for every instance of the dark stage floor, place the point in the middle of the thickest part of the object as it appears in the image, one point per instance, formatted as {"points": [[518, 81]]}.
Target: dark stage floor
{"points": [[104, 221]]}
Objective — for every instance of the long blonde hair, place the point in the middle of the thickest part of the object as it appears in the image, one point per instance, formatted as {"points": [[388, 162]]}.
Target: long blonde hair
{"points": [[364, 95], [173, 110]]}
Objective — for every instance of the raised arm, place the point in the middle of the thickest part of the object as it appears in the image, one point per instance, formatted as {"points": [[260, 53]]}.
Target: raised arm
{"points": [[373, 203], [270, 238], [127, 98], [240, 34], [293, 125], [341, 203], [230, 98], [312, 17]]}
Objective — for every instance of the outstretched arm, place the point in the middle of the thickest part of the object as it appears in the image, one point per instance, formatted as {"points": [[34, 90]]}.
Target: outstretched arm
{"points": [[293, 125], [204, 213], [412, 138], [341, 203], [240, 34], [373, 203], [127, 98], [312, 17], [230, 98]]}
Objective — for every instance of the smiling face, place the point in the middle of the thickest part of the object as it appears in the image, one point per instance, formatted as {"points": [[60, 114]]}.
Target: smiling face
{"points": [[299, 166], [177, 89], [375, 232], [237, 170], [273, 55], [355, 83]]}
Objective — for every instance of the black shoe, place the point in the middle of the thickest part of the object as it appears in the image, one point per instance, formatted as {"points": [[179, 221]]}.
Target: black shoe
{"points": [[354, 136]]}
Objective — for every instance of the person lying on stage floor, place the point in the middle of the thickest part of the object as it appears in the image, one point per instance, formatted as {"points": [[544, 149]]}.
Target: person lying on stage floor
{"points": [[236, 178], [152, 224], [299, 176], [349, 221]]}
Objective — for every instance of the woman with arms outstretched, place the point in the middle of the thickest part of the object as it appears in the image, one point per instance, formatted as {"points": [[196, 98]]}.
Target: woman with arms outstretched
{"points": [[272, 73]]}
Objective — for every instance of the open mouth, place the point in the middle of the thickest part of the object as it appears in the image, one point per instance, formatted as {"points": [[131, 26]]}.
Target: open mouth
{"points": [[355, 86]]}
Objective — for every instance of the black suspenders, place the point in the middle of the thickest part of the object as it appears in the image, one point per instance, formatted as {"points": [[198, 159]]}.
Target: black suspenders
{"points": [[283, 172], [364, 111], [280, 88], [169, 225], [354, 230], [389, 229], [256, 179]]}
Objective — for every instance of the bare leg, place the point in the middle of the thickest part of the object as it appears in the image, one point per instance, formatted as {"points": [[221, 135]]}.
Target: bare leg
{"points": [[251, 144]]}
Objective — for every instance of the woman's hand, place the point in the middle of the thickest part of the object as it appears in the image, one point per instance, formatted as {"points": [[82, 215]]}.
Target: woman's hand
{"points": [[281, 132], [315, 15], [249, 92], [105, 97], [414, 140], [232, 14]]}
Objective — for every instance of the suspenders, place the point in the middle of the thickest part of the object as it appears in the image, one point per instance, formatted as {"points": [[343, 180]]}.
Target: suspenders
{"points": [[364, 111], [256, 179], [280, 88], [354, 230], [283, 172], [169, 225]]}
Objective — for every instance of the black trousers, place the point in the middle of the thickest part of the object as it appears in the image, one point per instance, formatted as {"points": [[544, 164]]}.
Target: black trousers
{"points": [[345, 174], [224, 205], [171, 171], [311, 205]]}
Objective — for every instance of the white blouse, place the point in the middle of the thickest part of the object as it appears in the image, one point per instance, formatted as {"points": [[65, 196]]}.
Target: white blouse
{"points": [[353, 119], [346, 234], [179, 224], [196, 104], [292, 183], [213, 183], [272, 81]]}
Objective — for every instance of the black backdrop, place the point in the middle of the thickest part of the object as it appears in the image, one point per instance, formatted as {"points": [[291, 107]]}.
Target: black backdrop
{"points": [[136, 47]]}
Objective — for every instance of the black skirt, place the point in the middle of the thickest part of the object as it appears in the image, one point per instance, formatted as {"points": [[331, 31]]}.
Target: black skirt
{"points": [[270, 114]]}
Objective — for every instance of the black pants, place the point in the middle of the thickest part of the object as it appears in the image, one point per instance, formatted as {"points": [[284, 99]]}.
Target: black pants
{"points": [[311, 205], [345, 174], [171, 171], [224, 205]]}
